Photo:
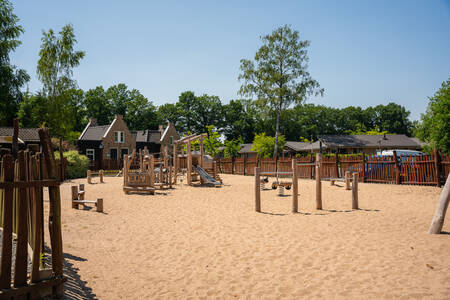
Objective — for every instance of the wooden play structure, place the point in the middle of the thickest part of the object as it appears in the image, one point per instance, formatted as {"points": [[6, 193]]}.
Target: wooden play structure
{"points": [[78, 198], [152, 172], [25, 177], [294, 184], [90, 174], [199, 167]]}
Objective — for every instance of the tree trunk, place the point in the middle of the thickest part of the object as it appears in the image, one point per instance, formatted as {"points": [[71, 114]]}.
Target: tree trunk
{"points": [[439, 215]]}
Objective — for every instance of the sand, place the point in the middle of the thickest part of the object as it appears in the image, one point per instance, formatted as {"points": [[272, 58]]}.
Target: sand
{"points": [[198, 242]]}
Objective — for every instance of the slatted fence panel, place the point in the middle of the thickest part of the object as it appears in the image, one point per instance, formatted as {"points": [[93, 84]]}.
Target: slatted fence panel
{"points": [[250, 165], [267, 165], [418, 169], [353, 164], [306, 171], [239, 166], [380, 169], [445, 165], [328, 167], [226, 165]]}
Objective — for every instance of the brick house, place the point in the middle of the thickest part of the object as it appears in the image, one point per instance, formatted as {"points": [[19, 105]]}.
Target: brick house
{"points": [[155, 140]]}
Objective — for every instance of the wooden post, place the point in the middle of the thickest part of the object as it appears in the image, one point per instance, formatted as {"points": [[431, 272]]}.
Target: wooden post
{"points": [[396, 167], [100, 205], [331, 182], [74, 196], [355, 191], [214, 169], [89, 178], [125, 170], [312, 168], [81, 189], [441, 209], [55, 210], [347, 180], [436, 167], [363, 174], [141, 161], [245, 164], [7, 220], [170, 176], [318, 182], [175, 163], [100, 173], [152, 171], [189, 163], [336, 165], [257, 190], [294, 186]]}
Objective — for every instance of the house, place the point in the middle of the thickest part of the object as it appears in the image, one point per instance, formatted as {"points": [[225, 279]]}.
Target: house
{"points": [[27, 138], [368, 144], [154, 140], [100, 142]]}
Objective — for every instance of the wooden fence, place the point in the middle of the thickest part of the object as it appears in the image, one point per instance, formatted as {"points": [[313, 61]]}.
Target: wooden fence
{"points": [[22, 220], [420, 169]]}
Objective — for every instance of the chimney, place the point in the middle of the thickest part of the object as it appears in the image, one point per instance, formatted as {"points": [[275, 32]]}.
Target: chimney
{"points": [[161, 128], [93, 122]]}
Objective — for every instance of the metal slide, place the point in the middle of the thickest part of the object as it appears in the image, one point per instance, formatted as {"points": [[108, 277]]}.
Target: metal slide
{"points": [[208, 178]]}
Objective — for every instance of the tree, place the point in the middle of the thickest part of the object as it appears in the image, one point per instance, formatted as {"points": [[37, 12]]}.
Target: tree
{"points": [[392, 118], [169, 112], [212, 142], [57, 58], [232, 147], [98, 106], [264, 145], [241, 120], [12, 79], [33, 110], [278, 77], [435, 122]]}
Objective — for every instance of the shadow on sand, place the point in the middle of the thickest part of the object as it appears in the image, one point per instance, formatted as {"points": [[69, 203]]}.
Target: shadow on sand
{"points": [[75, 288]]}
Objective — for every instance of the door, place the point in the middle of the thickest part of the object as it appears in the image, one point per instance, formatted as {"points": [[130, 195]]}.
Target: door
{"points": [[113, 153], [123, 152]]}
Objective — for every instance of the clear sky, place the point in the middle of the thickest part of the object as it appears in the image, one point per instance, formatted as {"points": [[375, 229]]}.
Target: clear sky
{"points": [[362, 52]]}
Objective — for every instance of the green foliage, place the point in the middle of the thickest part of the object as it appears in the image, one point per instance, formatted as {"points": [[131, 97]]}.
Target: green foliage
{"points": [[12, 79], [232, 147], [77, 164], [278, 77], [435, 122], [57, 58], [264, 145], [212, 142], [241, 120]]}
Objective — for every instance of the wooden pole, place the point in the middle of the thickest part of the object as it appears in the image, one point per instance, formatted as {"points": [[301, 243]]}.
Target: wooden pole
{"points": [[396, 167], [125, 170], [175, 163], [189, 163], [257, 190], [74, 196], [363, 174], [81, 189], [201, 158], [318, 182], [355, 191], [152, 171], [294, 186], [441, 209], [100, 173], [89, 178], [170, 176], [347, 180], [55, 210], [100, 205]]}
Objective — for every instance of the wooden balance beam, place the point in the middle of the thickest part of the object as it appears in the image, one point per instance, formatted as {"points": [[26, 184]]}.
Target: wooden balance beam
{"points": [[78, 198]]}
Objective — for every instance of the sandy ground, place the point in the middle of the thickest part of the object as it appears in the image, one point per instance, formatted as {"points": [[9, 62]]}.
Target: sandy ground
{"points": [[195, 242]]}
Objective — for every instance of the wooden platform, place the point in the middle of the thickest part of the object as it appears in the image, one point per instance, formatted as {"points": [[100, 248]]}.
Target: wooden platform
{"points": [[139, 189]]}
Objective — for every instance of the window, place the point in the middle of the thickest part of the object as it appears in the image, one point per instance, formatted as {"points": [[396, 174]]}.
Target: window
{"points": [[90, 153], [123, 151], [171, 140], [119, 137]]}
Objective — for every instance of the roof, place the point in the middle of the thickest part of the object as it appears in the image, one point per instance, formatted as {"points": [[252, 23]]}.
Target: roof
{"points": [[297, 146], [94, 133], [418, 141], [148, 136], [246, 148], [25, 134], [8, 140], [368, 141]]}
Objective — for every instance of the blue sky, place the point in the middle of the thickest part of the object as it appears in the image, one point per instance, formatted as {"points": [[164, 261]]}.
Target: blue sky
{"points": [[362, 53]]}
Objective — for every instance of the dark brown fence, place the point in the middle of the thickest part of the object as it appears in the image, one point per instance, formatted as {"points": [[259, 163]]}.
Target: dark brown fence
{"points": [[419, 169]]}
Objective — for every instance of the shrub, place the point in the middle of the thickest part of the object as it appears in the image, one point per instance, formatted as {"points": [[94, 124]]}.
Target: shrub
{"points": [[77, 164]]}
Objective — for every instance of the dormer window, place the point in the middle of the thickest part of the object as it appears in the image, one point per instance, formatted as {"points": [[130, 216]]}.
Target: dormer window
{"points": [[119, 137]]}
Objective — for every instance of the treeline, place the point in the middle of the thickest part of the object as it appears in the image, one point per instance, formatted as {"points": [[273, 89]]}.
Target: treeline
{"points": [[191, 113]]}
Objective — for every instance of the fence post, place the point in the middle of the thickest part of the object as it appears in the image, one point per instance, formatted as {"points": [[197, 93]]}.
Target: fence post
{"points": [[100, 174], [436, 166], [397, 168], [347, 180], [336, 158], [232, 164], [318, 182], [89, 176], [363, 173], [312, 168], [294, 186], [257, 190], [245, 163]]}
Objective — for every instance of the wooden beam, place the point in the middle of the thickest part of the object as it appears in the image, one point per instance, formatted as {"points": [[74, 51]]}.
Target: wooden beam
{"points": [[257, 190], [441, 209], [294, 186]]}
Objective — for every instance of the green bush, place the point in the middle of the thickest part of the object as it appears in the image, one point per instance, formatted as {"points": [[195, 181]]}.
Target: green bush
{"points": [[77, 164]]}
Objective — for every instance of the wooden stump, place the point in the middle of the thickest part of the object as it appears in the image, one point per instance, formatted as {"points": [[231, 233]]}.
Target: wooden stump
{"points": [[89, 178], [74, 196], [441, 209], [100, 174], [347, 180], [100, 205]]}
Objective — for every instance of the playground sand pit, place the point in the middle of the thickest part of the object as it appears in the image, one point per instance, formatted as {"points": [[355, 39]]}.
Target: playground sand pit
{"points": [[202, 242]]}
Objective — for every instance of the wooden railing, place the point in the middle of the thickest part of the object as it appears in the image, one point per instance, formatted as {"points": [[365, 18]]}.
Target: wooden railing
{"points": [[418, 169]]}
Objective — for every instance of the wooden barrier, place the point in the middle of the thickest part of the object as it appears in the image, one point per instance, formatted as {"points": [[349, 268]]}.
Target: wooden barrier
{"points": [[294, 186], [318, 182], [257, 190], [90, 174]]}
